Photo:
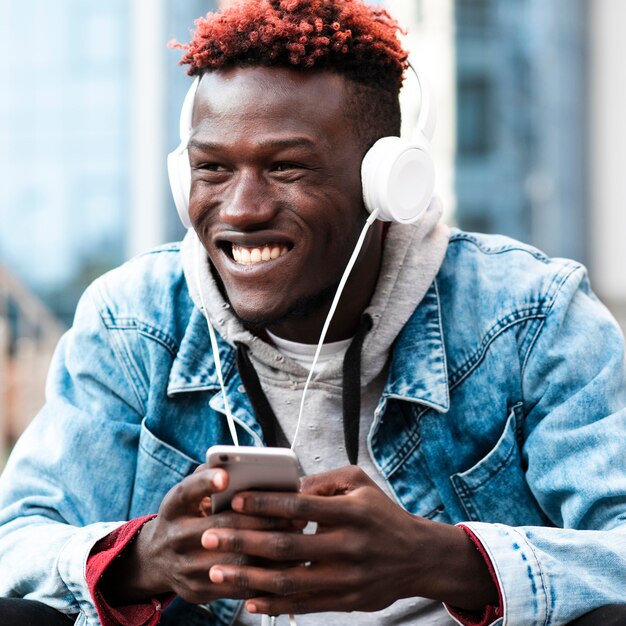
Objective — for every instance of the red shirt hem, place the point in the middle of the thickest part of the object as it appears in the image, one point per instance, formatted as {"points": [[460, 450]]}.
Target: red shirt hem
{"points": [[490, 613], [101, 557]]}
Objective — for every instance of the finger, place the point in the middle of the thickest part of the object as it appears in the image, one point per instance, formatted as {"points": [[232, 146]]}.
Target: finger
{"points": [[321, 509], [233, 520], [335, 482], [284, 546], [193, 583], [297, 590], [186, 534], [205, 505], [185, 497], [303, 603], [183, 536], [282, 582]]}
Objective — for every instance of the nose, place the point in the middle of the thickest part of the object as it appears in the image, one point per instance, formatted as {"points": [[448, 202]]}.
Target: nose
{"points": [[248, 203]]}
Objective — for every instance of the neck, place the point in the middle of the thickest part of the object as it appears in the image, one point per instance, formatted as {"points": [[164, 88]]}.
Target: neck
{"points": [[355, 298]]}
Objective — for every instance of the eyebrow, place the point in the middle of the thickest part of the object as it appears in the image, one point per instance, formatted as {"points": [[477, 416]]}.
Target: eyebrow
{"points": [[276, 144]]}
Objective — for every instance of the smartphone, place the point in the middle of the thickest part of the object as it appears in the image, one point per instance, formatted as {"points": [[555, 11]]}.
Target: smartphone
{"points": [[260, 469]]}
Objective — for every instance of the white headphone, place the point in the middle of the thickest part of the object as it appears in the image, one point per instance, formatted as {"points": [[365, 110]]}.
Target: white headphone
{"points": [[398, 175]]}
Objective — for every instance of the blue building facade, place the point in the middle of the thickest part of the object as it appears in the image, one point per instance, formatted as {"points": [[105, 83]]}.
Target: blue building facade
{"points": [[65, 134], [63, 139], [521, 121]]}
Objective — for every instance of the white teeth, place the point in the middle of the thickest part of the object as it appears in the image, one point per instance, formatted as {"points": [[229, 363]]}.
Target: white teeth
{"points": [[258, 254]]}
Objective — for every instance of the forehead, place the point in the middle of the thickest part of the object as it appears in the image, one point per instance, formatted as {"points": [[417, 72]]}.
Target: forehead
{"points": [[259, 99]]}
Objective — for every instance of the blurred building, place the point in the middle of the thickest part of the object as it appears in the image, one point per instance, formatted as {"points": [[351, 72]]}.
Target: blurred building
{"points": [[522, 119], [540, 129], [88, 111], [531, 134], [63, 142], [156, 99]]}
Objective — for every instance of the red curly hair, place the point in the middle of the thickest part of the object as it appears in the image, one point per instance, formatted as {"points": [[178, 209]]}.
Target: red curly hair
{"points": [[343, 36]]}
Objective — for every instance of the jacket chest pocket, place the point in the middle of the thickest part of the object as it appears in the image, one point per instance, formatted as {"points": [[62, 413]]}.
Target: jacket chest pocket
{"points": [[160, 466], [495, 488]]}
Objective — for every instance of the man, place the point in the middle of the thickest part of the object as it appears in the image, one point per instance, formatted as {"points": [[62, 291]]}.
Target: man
{"points": [[490, 383]]}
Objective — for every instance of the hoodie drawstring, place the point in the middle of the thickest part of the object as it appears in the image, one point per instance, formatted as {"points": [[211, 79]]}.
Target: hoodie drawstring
{"points": [[352, 390], [272, 431]]}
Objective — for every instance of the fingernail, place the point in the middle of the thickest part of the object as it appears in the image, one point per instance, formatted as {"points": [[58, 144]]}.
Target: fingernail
{"points": [[219, 480], [210, 541], [216, 576], [251, 608], [237, 503]]}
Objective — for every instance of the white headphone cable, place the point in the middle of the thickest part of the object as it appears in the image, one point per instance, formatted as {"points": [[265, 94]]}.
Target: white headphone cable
{"points": [[216, 353], [357, 249], [270, 620]]}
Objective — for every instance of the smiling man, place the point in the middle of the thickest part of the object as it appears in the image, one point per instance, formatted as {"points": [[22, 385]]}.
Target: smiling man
{"points": [[463, 438]]}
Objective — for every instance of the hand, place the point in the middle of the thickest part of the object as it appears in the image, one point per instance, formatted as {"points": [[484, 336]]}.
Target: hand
{"points": [[167, 555], [367, 552]]}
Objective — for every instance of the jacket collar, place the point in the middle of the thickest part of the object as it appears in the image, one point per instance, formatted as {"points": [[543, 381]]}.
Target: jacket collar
{"points": [[194, 368], [418, 371]]}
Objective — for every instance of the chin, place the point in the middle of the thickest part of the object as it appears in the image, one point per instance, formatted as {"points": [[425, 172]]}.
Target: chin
{"points": [[256, 320], [257, 310], [301, 309]]}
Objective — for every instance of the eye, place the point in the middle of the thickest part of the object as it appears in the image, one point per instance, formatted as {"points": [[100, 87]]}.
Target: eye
{"points": [[286, 166], [210, 167], [211, 173]]}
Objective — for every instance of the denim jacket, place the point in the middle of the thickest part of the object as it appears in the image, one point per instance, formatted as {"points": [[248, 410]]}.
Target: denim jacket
{"points": [[503, 408]]}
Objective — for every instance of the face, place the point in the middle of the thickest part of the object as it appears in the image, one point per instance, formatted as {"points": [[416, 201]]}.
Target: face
{"points": [[276, 191]]}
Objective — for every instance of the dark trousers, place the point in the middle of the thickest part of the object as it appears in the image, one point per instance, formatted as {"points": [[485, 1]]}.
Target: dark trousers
{"points": [[15, 612], [614, 615]]}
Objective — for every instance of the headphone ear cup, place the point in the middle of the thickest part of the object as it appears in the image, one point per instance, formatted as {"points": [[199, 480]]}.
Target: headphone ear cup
{"points": [[398, 179], [178, 167], [179, 172]]}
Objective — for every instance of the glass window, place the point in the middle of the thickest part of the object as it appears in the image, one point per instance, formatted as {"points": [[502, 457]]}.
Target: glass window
{"points": [[472, 17], [473, 114]]}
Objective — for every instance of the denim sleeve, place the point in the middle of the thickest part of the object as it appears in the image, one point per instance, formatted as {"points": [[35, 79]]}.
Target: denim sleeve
{"points": [[574, 446], [86, 435]]}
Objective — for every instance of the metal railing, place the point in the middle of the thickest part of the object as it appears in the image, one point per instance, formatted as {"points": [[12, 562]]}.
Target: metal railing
{"points": [[28, 336]]}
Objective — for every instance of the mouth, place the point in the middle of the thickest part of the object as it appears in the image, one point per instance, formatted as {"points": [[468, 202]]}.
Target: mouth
{"points": [[254, 254]]}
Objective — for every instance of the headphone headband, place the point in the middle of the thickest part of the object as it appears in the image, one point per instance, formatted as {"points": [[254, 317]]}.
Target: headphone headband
{"points": [[427, 120]]}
